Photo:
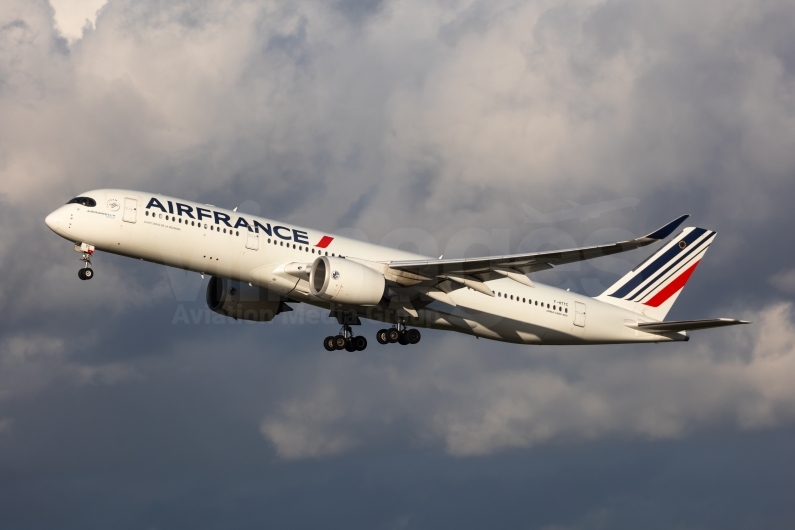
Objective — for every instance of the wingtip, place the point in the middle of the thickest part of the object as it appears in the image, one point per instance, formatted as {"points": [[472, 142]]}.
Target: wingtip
{"points": [[665, 231]]}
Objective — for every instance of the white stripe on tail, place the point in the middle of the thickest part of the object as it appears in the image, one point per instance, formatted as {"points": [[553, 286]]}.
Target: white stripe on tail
{"points": [[652, 287]]}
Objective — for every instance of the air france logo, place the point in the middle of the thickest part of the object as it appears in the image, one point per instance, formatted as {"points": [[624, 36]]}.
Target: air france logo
{"points": [[113, 204], [335, 275], [220, 218]]}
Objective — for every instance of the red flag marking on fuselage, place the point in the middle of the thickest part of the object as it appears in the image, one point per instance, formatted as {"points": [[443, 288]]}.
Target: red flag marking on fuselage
{"points": [[324, 241]]}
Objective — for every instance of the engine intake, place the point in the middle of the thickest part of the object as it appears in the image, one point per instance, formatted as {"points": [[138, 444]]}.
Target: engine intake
{"points": [[242, 301], [346, 282]]}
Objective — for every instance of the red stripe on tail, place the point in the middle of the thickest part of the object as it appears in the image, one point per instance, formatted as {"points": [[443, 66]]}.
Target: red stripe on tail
{"points": [[672, 287]]}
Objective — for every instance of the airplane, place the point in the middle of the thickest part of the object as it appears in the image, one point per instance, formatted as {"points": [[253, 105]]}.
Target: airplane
{"points": [[578, 211], [258, 266]]}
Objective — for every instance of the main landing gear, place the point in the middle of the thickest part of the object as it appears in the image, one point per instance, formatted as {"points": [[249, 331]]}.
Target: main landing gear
{"points": [[345, 341], [86, 273], [399, 334]]}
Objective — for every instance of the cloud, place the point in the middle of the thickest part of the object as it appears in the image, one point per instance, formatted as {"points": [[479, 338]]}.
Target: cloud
{"points": [[784, 281], [470, 408], [421, 124], [72, 16]]}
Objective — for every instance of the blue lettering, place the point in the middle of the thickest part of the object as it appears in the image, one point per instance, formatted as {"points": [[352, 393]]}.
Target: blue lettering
{"points": [[299, 236], [200, 213], [242, 222], [184, 208], [222, 217], [154, 202], [170, 207], [276, 231], [265, 229]]}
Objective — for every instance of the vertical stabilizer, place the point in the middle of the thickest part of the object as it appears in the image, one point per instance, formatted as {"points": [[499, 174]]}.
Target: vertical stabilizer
{"points": [[652, 287]]}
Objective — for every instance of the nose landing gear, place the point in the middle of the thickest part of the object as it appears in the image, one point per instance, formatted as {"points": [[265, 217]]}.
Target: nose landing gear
{"points": [[345, 341], [86, 273]]}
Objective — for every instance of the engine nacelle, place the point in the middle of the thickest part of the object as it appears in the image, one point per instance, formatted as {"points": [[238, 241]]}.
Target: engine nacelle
{"points": [[242, 301], [346, 282]]}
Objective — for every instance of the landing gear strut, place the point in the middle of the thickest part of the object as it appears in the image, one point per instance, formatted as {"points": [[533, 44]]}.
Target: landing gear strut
{"points": [[345, 341], [86, 273], [399, 334]]}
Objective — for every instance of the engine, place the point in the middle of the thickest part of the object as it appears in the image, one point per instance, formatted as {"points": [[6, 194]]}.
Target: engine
{"points": [[346, 282], [241, 301]]}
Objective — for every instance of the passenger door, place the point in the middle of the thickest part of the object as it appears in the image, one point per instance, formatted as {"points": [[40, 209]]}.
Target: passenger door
{"points": [[579, 314], [252, 241], [130, 210]]}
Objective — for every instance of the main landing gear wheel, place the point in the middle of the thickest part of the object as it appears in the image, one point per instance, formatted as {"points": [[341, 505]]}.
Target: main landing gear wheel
{"points": [[345, 341], [399, 334], [360, 343]]}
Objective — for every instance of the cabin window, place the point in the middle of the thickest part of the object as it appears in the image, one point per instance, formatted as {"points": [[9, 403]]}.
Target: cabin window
{"points": [[281, 244], [224, 230], [567, 309], [147, 214], [313, 251], [85, 201], [522, 300], [237, 233], [536, 302]]}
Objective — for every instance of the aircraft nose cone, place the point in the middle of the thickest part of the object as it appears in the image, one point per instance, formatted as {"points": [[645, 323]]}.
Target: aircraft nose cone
{"points": [[52, 220]]}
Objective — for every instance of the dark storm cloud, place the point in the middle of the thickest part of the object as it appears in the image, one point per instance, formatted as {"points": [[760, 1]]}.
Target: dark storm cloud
{"points": [[124, 402]]}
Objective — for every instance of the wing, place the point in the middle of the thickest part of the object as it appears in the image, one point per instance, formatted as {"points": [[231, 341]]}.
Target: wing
{"points": [[688, 325], [517, 265]]}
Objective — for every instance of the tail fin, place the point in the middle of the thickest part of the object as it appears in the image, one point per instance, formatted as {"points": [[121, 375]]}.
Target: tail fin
{"points": [[652, 287]]}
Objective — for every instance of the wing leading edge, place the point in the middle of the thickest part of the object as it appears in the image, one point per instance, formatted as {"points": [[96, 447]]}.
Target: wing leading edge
{"points": [[514, 264]]}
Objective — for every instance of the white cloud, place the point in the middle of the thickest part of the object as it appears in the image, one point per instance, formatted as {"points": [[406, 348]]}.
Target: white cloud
{"points": [[742, 378], [72, 16]]}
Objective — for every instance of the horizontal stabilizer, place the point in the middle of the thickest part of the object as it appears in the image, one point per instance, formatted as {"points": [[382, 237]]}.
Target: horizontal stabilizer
{"points": [[687, 325]]}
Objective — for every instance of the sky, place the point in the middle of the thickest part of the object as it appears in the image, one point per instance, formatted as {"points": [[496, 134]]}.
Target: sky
{"points": [[426, 126]]}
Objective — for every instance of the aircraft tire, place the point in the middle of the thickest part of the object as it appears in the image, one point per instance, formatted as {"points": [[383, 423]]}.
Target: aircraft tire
{"points": [[413, 336], [88, 273], [392, 335], [80, 274], [403, 340], [360, 343], [329, 343], [339, 342], [350, 345], [381, 337]]}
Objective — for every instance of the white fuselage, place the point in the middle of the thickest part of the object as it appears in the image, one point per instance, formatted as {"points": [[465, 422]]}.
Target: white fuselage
{"points": [[211, 240]]}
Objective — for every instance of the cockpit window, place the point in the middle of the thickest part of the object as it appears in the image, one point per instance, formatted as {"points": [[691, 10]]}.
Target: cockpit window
{"points": [[85, 201]]}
